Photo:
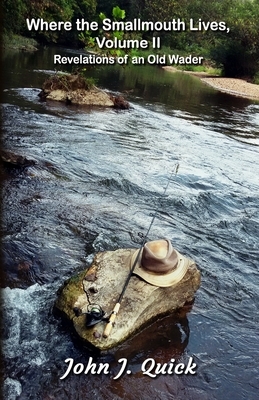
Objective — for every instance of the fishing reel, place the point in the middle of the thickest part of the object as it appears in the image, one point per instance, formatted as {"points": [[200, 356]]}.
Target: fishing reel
{"points": [[94, 314]]}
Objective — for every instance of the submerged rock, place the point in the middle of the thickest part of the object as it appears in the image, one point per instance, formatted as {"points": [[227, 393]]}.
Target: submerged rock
{"points": [[119, 102], [9, 158], [75, 89], [142, 303]]}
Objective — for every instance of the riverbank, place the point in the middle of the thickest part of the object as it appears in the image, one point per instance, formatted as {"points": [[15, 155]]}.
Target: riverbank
{"points": [[236, 87], [17, 42]]}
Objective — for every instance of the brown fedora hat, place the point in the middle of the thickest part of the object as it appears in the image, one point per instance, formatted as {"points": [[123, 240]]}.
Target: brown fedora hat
{"points": [[160, 264]]}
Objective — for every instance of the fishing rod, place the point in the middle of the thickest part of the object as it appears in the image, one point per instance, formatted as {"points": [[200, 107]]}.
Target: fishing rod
{"points": [[115, 311]]}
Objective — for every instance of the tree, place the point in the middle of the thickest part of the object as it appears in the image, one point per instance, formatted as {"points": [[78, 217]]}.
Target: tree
{"points": [[14, 12], [238, 51]]}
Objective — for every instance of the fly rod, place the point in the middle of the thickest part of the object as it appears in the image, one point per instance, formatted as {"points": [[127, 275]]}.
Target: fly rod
{"points": [[115, 311]]}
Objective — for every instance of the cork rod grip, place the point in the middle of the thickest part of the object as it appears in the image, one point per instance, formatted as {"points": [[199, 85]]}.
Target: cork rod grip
{"points": [[112, 318]]}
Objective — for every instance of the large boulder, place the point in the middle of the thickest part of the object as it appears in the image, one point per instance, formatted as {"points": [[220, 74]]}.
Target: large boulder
{"points": [[75, 89], [142, 303]]}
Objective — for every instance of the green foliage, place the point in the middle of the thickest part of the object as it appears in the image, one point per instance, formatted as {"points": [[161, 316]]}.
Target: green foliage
{"points": [[256, 78], [106, 7], [16, 12], [234, 59], [89, 41], [164, 10], [58, 10], [13, 41], [102, 16], [236, 52], [118, 14], [69, 82]]}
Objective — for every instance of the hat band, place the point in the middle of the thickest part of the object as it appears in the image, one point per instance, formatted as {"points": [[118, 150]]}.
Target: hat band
{"points": [[159, 272]]}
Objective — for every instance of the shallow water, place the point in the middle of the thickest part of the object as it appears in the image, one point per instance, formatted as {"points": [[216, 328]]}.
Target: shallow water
{"points": [[98, 178]]}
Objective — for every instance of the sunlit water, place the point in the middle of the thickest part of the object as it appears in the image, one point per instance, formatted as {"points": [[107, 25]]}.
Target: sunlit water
{"points": [[98, 178]]}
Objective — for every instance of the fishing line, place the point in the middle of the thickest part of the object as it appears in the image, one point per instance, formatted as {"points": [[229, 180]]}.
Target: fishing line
{"points": [[146, 235], [117, 305], [95, 313]]}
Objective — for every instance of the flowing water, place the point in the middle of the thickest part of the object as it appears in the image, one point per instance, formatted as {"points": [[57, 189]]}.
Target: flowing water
{"points": [[97, 178]]}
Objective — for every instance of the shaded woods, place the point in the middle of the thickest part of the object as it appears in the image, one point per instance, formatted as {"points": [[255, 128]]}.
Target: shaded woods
{"points": [[236, 52]]}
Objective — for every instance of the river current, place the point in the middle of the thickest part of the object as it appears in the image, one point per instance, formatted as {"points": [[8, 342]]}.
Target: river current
{"points": [[97, 178]]}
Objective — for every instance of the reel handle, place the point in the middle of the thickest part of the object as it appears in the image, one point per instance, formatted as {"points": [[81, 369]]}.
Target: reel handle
{"points": [[112, 318]]}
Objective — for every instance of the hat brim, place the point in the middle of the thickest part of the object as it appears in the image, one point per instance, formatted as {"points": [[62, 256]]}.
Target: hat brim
{"points": [[164, 280]]}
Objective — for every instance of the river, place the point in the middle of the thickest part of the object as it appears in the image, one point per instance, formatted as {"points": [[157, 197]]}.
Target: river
{"points": [[97, 177]]}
